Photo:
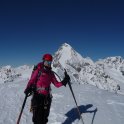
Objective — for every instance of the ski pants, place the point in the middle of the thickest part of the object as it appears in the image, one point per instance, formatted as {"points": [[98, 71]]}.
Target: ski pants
{"points": [[41, 108]]}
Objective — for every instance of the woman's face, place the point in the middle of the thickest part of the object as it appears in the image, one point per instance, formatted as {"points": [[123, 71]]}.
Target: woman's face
{"points": [[47, 63]]}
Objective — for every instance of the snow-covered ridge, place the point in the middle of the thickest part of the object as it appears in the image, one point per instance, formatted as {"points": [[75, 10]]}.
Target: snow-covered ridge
{"points": [[9, 74], [84, 70], [105, 74], [116, 62]]}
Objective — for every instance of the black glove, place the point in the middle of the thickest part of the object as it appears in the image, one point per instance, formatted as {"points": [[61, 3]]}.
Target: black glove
{"points": [[66, 79], [28, 91]]}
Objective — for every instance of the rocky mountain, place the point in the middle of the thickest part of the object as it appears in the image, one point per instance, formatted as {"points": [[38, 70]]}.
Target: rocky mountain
{"points": [[84, 70], [116, 62], [9, 74], [107, 74]]}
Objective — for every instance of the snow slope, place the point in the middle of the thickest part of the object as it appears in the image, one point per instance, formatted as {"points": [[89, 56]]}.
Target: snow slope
{"points": [[97, 106]]}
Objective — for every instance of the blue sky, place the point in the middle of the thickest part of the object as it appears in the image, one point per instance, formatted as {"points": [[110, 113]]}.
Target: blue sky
{"points": [[30, 28]]}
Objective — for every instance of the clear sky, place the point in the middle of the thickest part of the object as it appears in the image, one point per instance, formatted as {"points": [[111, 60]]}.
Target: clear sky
{"points": [[30, 28]]}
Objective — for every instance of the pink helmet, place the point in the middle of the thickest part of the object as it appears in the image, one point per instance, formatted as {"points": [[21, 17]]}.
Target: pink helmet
{"points": [[47, 57]]}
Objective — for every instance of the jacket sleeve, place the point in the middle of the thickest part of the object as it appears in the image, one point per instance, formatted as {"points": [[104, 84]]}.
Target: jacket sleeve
{"points": [[33, 78], [55, 82]]}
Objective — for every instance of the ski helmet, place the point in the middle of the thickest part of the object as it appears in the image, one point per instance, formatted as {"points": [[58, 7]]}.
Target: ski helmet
{"points": [[47, 57]]}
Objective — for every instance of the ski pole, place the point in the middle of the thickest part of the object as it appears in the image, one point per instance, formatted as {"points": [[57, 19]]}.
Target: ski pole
{"points": [[75, 100], [23, 105]]}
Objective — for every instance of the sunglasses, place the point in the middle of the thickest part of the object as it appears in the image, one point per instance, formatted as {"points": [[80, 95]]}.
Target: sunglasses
{"points": [[48, 62]]}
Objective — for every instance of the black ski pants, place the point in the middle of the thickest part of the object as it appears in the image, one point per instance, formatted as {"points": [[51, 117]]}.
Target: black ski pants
{"points": [[41, 108]]}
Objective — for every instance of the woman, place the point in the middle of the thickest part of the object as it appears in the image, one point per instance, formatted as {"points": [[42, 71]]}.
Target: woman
{"points": [[40, 81]]}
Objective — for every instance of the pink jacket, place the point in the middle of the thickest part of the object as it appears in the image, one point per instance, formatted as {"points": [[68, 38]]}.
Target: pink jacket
{"points": [[44, 80]]}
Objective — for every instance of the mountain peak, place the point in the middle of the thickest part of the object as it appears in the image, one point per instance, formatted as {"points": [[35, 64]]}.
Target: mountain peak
{"points": [[66, 54], [7, 67], [65, 45]]}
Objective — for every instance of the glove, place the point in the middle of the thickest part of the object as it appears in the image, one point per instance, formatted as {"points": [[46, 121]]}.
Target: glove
{"points": [[28, 91], [66, 79]]}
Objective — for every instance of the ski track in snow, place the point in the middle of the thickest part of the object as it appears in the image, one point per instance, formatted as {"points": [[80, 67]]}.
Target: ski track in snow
{"points": [[97, 106]]}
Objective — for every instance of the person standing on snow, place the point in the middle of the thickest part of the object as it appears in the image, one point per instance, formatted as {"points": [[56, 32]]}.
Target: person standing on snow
{"points": [[41, 78]]}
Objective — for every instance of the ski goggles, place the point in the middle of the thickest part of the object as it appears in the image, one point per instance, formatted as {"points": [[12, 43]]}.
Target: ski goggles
{"points": [[48, 62]]}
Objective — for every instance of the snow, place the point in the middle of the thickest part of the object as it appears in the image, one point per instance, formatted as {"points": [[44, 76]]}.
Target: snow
{"points": [[84, 70], [97, 106], [81, 70], [9, 74], [66, 54], [95, 85]]}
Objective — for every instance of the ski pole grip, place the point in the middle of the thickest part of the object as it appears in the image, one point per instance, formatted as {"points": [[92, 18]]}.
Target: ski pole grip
{"points": [[67, 75], [65, 71]]}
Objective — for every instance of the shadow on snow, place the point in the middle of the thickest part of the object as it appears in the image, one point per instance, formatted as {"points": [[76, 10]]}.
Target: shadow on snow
{"points": [[72, 115]]}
